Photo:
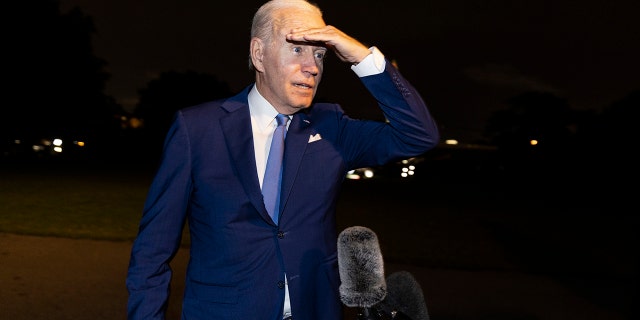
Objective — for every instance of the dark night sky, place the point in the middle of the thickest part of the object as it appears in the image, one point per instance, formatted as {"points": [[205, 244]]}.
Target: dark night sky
{"points": [[466, 57]]}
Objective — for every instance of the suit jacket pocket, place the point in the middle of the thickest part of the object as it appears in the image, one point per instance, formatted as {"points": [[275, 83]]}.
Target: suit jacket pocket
{"points": [[320, 146]]}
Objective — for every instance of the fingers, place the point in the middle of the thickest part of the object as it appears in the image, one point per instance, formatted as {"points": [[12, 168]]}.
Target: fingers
{"points": [[328, 34], [346, 48]]}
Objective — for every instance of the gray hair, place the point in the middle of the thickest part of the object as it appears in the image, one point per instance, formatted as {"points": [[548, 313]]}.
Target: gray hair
{"points": [[264, 20]]}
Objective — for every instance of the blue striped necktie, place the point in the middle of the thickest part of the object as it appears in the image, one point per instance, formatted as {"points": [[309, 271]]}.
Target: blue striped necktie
{"points": [[273, 172]]}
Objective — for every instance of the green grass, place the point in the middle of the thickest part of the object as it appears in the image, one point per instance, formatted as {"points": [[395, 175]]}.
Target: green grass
{"points": [[73, 203]]}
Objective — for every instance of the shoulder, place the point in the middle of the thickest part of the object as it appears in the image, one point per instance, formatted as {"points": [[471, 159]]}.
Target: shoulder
{"points": [[202, 109], [320, 110], [216, 108], [219, 107]]}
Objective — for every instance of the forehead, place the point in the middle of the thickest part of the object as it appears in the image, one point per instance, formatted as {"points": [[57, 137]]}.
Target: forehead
{"points": [[290, 18]]}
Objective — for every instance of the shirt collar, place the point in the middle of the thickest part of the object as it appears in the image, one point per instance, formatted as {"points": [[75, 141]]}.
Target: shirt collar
{"points": [[263, 113], [261, 110]]}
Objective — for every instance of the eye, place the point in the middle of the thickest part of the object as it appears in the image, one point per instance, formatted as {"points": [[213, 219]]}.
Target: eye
{"points": [[297, 49], [320, 54]]}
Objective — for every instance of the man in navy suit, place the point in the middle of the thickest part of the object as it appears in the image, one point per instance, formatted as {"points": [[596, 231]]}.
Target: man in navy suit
{"points": [[242, 264]]}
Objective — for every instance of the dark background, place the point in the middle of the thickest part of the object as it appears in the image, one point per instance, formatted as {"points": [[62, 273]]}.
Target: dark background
{"points": [[496, 75], [466, 57]]}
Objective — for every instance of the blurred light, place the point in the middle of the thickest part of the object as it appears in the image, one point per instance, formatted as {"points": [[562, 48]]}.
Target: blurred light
{"points": [[407, 171], [360, 173], [451, 141], [352, 175], [37, 147], [79, 143], [533, 142], [57, 149], [135, 123], [46, 142], [17, 141], [57, 142]]}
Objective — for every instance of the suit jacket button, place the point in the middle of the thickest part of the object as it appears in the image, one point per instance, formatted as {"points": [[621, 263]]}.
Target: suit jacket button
{"points": [[280, 234], [281, 284]]}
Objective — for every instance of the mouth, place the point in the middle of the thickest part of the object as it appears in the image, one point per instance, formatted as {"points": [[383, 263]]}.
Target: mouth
{"points": [[303, 85]]}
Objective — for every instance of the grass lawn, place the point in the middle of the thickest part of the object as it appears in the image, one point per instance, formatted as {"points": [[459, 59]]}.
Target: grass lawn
{"points": [[73, 203]]}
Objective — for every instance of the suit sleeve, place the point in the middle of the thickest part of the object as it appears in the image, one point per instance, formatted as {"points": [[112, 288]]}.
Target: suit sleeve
{"points": [[409, 131], [160, 230]]}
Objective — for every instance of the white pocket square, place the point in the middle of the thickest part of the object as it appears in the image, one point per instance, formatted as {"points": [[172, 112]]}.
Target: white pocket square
{"points": [[314, 137]]}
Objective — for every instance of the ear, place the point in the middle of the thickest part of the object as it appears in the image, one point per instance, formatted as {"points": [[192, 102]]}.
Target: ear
{"points": [[257, 53]]}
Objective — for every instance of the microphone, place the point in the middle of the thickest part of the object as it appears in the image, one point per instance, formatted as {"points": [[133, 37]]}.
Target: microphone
{"points": [[404, 297], [361, 270]]}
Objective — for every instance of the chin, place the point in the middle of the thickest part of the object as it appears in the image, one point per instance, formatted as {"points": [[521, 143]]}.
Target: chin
{"points": [[302, 104]]}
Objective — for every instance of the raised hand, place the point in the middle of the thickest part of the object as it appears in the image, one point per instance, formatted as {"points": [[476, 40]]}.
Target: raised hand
{"points": [[345, 47]]}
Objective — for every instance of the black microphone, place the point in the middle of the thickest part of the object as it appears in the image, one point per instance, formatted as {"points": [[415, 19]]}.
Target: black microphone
{"points": [[361, 271], [405, 298]]}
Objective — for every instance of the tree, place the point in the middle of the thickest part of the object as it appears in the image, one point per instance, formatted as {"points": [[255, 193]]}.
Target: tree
{"points": [[55, 83], [172, 91]]}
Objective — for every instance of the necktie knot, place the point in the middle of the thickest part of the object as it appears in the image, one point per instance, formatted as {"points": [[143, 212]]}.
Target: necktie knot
{"points": [[282, 119]]}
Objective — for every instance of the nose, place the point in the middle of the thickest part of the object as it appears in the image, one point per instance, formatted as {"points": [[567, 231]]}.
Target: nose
{"points": [[310, 64]]}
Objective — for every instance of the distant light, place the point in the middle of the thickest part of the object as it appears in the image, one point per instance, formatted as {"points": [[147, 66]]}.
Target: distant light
{"points": [[533, 142], [79, 143], [57, 142], [407, 171], [451, 141], [360, 173], [368, 173], [17, 141], [353, 177], [135, 123], [351, 174], [37, 147], [57, 149]]}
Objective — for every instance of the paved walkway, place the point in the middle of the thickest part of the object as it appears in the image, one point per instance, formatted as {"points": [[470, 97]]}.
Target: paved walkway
{"points": [[58, 278]]}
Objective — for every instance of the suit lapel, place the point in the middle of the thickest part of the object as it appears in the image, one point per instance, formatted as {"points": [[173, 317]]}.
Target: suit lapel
{"points": [[295, 146], [236, 127]]}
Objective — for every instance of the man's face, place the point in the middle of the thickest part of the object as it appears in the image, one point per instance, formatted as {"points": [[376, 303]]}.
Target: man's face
{"points": [[292, 70]]}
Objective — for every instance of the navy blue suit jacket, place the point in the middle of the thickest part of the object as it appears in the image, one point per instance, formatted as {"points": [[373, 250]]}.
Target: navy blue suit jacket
{"points": [[238, 256]]}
